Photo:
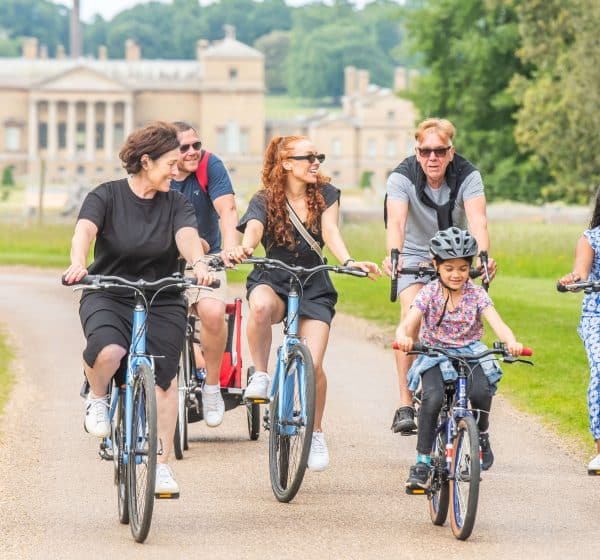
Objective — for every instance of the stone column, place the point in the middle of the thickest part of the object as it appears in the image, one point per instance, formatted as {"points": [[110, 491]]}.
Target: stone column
{"points": [[90, 130], [71, 129], [109, 131], [52, 129], [33, 129], [128, 118]]}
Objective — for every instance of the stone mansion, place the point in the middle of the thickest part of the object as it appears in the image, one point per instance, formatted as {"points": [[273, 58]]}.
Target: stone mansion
{"points": [[71, 115]]}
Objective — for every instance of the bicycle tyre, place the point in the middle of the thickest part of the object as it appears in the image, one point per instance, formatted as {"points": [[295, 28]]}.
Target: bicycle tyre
{"points": [[464, 486], [395, 255], [180, 439], [439, 498], [253, 412], [120, 468], [288, 453], [141, 465]]}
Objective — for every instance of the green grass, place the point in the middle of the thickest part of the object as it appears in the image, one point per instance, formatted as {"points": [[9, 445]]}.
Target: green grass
{"points": [[530, 258], [284, 107]]}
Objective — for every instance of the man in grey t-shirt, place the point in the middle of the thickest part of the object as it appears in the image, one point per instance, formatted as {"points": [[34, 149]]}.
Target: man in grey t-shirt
{"points": [[428, 192]]}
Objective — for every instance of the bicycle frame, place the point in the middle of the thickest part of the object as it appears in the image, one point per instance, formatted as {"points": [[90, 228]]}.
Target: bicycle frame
{"points": [[291, 338]]}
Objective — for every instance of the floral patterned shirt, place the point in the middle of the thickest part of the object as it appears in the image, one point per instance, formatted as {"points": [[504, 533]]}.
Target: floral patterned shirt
{"points": [[591, 302], [460, 326]]}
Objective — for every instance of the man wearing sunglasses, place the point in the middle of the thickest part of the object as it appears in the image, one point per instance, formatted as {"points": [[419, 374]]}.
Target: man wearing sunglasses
{"points": [[217, 218], [428, 192]]}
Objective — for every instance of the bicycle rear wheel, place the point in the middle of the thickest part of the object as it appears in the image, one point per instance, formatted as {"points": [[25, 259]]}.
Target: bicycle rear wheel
{"points": [[141, 465], [440, 492], [180, 440], [291, 430], [118, 437], [464, 487]]}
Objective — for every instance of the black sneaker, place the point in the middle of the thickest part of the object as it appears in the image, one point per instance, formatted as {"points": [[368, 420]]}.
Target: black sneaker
{"points": [[404, 421], [418, 476], [487, 457]]}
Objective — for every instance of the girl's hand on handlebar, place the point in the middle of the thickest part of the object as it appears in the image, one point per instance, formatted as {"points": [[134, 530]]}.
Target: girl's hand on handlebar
{"points": [[74, 273], [236, 255], [366, 266], [514, 347], [570, 278], [404, 343], [491, 266]]}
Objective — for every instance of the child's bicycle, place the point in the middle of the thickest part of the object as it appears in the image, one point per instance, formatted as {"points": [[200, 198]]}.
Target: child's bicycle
{"points": [[456, 457], [426, 270], [132, 444], [290, 418]]}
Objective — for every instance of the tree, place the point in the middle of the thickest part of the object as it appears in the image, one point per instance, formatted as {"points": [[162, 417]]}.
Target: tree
{"points": [[559, 119], [275, 46], [468, 48]]}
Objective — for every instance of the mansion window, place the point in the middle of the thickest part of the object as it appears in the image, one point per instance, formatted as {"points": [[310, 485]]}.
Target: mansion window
{"points": [[371, 147], [233, 74], [390, 148], [80, 137], [232, 139], [12, 139], [62, 135], [119, 135], [42, 135], [99, 142], [336, 147]]}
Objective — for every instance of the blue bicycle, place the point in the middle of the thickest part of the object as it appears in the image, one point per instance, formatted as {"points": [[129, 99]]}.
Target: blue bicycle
{"points": [[290, 418], [456, 457], [132, 444]]}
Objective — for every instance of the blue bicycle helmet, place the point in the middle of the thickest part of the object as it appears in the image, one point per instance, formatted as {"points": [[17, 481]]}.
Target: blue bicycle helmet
{"points": [[453, 243]]}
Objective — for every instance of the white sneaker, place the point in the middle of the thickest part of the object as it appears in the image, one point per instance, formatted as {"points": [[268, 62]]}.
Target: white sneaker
{"points": [[213, 408], [258, 386], [594, 466], [165, 486], [96, 417], [318, 459]]}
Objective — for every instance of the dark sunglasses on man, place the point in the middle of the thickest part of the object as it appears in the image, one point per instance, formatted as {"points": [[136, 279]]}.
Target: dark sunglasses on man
{"points": [[185, 147], [439, 152], [310, 157]]}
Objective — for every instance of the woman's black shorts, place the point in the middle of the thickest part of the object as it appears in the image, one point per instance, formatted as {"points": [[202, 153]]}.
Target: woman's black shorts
{"points": [[107, 319]]}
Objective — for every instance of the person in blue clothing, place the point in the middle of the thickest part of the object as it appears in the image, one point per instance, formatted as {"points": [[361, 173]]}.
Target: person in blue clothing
{"points": [[587, 268], [217, 217]]}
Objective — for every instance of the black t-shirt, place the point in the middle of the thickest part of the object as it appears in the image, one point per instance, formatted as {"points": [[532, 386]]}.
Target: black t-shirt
{"points": [[136, 236], [301, 254]]}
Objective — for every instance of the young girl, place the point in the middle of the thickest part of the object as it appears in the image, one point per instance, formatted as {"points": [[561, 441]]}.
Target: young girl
{"points": [[291, 173], [587, 267], [450, 310]]}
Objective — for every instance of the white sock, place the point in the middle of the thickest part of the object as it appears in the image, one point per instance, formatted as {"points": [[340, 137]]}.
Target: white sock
{"points": [[211, 388], [93, 396]]}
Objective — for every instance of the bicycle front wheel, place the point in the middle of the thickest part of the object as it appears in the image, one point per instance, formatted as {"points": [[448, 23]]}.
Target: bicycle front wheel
{"points": [[141, 464], [440, 492], [291, 424], [118, 438], [464, 487]]}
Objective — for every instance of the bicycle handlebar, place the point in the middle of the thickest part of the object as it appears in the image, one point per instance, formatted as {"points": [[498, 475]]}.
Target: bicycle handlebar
{"points": [[270, 264], [587, 287], [498, 349], [100, 281]]}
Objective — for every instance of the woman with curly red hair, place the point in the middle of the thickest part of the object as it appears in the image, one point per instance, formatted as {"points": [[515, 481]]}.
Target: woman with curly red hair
{"points": [[291, 175]]}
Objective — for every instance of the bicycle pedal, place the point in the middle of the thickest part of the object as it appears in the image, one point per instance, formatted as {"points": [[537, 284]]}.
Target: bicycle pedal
{"points": [[416, 491], [411, 433], [594, 472], [166, 496]]}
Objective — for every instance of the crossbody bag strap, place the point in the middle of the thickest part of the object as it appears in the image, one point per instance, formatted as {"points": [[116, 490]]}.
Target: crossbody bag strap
{"points": [[303, 231]]}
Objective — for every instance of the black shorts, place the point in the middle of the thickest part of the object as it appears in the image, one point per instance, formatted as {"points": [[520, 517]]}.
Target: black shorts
{"points": [[318, 295], [108, 320]]}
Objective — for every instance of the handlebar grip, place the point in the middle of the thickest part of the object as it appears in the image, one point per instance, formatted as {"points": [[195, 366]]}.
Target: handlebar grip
{"points": [[527, 352], [87, 280], [215, 284], [419, 347], [561, 288]]}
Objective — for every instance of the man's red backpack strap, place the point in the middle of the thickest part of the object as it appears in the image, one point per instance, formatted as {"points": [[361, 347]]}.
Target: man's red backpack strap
{"points": [[202, 171]]}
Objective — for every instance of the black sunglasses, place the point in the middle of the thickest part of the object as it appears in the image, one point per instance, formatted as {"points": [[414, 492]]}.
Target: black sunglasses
{"points": [[439, 152], [310, 157], [185, 147]]}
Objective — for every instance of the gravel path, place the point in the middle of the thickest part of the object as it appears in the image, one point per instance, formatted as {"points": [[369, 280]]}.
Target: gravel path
{"points": [[57, 499]]}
